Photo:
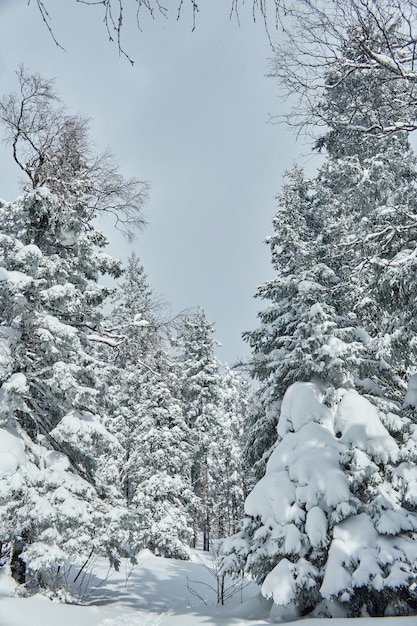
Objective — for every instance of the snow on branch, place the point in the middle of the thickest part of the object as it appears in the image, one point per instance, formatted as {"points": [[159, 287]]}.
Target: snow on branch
{"points": [[327, 45], [54, 150]]}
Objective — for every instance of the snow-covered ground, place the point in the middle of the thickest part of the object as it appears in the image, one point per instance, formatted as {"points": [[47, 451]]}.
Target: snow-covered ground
{"points": [[156, 592]]}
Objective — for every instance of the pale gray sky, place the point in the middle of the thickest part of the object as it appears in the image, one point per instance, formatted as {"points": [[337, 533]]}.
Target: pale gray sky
{"points": [[191, 118]]}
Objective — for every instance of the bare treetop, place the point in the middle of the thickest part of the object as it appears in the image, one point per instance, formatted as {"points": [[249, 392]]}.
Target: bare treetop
{"points": [[326, 43], [54, 149]]}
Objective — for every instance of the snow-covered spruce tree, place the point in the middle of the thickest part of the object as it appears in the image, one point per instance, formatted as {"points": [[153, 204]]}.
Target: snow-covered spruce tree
{"points": [[215, 426], [146, 409], [160, 466], [56, 497], [132, 338], [48, 307], [201, 400], [327, 529], [227, 460], [137, 316], [301, 335], [366, 192], [367, 185], [331, 526]]}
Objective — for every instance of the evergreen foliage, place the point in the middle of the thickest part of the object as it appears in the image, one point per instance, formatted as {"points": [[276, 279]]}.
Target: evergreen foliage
{"points": [[58, 495], [49, 299], [146, 410], [330, 526], [214, 410]]}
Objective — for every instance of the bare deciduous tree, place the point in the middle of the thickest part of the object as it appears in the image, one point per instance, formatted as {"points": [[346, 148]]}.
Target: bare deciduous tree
{"points": [[53, 148], [114, 13], [328, 42]]}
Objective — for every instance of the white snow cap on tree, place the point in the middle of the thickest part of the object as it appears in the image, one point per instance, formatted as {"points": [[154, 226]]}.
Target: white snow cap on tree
{"points": [[411, 395], [325, 524]]}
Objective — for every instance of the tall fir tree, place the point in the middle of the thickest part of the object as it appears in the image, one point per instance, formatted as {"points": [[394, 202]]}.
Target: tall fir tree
{"points": [[302, 335], [58, 498], [146, 409], [201, 399], [330, 527], [214, 410], [49, 302], [227, 459]]}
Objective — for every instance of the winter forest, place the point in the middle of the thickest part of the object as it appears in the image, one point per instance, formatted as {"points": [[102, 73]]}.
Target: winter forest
{"points": [[120, 429]]}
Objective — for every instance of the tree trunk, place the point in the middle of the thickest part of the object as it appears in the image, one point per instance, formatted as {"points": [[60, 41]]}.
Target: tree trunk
{"points": [[206, 534], [17, 565]]}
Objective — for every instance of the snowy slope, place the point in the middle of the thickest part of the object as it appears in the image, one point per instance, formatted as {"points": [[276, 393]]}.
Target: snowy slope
{"points": [[157, 592]]}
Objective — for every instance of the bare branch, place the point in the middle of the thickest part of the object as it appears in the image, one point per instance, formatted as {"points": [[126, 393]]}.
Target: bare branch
{"points": [[269, 11], [326, 44], [46, 20]]}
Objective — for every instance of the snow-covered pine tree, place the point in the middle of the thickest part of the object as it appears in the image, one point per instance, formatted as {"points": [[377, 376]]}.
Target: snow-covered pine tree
{"points": [[215, 427], [367, 190], [136, 318], [327, 529], [160, 465], [301, 334], [331, 526], [50, 259], [132, 329], [201, 400], [145, 407], [226, 456], [49, 307]]}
